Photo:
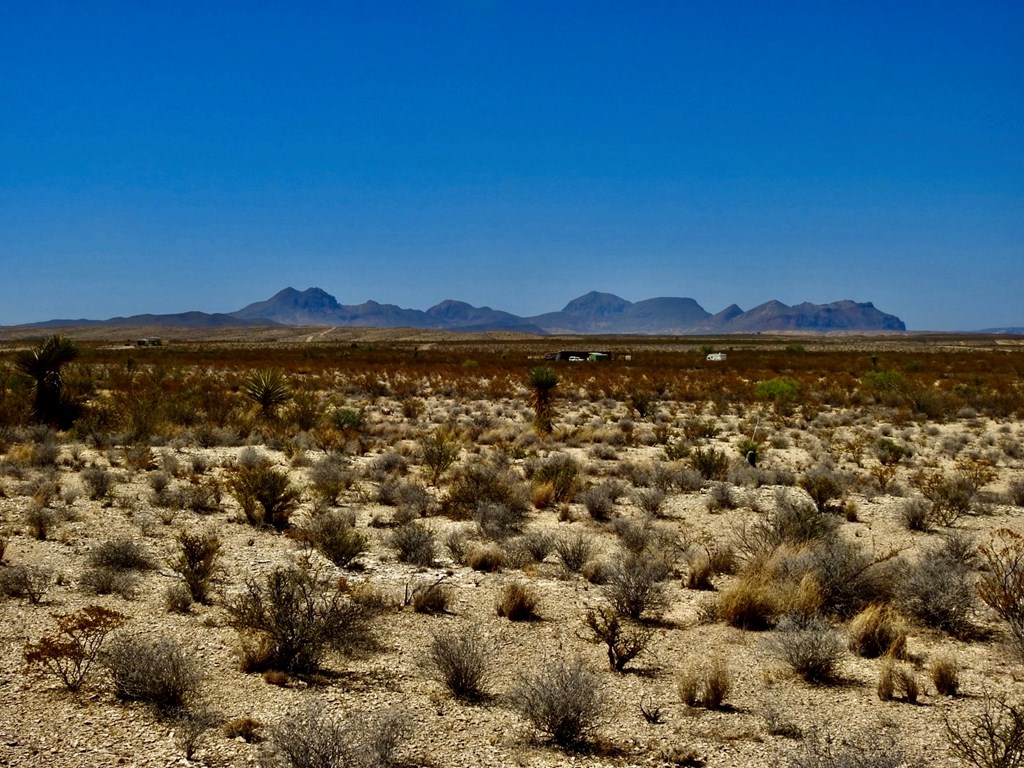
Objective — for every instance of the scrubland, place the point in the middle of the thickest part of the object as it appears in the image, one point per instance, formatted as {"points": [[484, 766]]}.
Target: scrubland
{"points": [[457, 553]]}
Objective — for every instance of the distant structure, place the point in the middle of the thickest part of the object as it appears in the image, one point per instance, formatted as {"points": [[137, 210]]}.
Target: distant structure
{"points": [[578, 356], [151, 341], [717, 357]]}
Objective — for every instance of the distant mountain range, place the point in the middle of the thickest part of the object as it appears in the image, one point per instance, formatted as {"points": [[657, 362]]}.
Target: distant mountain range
{"points": [[592, 313]]}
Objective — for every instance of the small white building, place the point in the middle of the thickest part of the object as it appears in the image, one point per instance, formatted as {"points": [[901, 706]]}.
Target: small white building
{"points": [[717, 356]]}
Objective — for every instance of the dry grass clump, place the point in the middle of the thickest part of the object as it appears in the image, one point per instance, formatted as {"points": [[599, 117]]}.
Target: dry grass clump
{"points": [[518, 602], [487, 558], [878, 630], [945, 673], [705, 685], [897, 681]]}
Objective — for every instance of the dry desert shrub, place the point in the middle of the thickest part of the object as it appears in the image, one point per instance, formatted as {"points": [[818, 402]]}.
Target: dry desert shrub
{"points": [[1001, 583], [878, 630], [649, 500], [483, 483], [428, 596], [864, 749], [462, 660], [264, 493], [330, 477], [826, 486], [70, 653], [109, 581], [623, 639], [599, 500], [574, 549], [563, 699], [40, 521], [992, 738], [440, 451], [710, 463], [916, 514], [196, 562], [1015, 492], [812, 648], [487, 558], [314, 738], [153, 669], [415, 543], [635, 586], [31, 582], [121, 554], [937, 588], [559, 471]]}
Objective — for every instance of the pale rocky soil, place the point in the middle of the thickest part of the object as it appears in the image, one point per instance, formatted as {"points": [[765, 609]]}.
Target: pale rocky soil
{"points": [[43, 725]]}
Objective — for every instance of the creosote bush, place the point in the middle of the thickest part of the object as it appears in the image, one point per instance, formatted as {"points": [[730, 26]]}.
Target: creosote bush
{"points": [[196, 562], [291, 618], [265, 494]]}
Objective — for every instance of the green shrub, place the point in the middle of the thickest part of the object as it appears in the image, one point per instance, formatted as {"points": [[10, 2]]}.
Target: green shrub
{"points": [[335, 537], [265, 494], [290, 620], [196, 561]]}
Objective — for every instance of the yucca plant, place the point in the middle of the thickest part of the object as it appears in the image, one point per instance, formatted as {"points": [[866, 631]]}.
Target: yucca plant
{"points": [[543, 381], [268, 389], [43, 365]]}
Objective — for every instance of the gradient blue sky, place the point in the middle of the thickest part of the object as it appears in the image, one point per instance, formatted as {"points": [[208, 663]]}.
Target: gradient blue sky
{"points": [[163, 157]]}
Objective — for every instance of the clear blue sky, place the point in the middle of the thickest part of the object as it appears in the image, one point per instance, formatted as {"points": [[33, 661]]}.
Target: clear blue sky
{"points": [[163, 157]]}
